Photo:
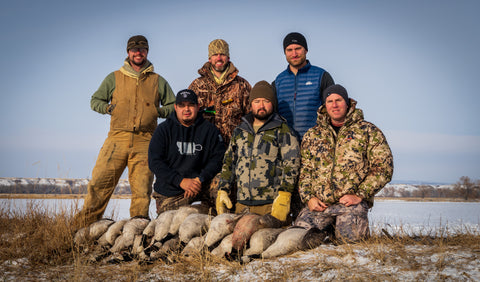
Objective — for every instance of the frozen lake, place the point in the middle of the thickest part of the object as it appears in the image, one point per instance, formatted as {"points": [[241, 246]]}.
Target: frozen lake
{"points": [[393, 215]]}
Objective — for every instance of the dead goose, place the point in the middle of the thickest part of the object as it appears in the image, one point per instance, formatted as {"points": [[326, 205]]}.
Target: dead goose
{"points": [[224, 247], [169, 247], [132, 227], [249, 224], [149, 231], [261, 240], [194, 225], [162, 225], [287, 242], [92, 232], [179, 217], [220, 226], [194, 246], [114, 230]]}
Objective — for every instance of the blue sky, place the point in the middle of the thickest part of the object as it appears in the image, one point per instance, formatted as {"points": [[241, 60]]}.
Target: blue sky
{"points": [[411, 65]]}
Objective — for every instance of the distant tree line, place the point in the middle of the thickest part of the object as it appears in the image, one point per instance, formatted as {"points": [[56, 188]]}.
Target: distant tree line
{"points": [[69, 186], [464, 188]]}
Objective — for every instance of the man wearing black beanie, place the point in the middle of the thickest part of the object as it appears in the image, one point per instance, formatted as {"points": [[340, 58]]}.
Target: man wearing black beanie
{"points": [[299, 88], [346, 160]]}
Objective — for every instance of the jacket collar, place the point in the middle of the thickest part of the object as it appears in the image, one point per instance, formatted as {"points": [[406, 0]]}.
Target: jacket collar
{"points": [[232, 72], [127, 69], [302, 70], [274, 121]]}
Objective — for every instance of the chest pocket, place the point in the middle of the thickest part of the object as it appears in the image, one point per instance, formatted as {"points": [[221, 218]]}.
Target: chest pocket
{"points": [[269, 145], [353, 152]]}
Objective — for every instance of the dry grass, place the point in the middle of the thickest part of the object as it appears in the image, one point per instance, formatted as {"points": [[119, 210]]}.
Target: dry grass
{"points": [[37, 245], [35, 234]]}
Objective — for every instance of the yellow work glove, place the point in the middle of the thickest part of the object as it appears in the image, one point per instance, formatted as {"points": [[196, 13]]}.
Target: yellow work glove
{"points": [[281, 205], [223, 202]]}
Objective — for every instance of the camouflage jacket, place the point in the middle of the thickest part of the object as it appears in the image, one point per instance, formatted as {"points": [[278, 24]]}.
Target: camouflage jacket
{"points": [[229, 100], [262, 163], [357, 160]]}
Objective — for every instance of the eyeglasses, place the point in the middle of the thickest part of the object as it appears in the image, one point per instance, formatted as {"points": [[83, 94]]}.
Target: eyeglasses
{"points": [[135, 50]]}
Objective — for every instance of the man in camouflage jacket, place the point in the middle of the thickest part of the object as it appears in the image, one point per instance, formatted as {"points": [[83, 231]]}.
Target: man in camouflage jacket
{"points": [[345, 162], [222, 93], [262, 159]]}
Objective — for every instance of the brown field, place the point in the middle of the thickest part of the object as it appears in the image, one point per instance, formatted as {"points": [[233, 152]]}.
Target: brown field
{"points": [[38, 246]]}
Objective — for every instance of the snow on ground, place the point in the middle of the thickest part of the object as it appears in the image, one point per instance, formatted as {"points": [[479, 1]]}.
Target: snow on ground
{"points": [[325, 263]]}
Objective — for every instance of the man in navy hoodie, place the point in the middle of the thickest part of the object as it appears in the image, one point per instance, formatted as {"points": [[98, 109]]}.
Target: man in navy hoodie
{"points": [[185, 153]]}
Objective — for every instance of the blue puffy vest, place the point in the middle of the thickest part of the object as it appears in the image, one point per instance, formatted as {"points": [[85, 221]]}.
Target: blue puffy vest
{"points": [[299, 97]]}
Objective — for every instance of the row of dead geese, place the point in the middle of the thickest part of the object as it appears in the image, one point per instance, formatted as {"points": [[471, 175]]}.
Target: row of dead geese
{"points": [[187, 231]]}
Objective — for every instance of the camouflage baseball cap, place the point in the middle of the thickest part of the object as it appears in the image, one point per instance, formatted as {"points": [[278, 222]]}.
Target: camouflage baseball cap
{"points": [[218, 46], [137, 41]]}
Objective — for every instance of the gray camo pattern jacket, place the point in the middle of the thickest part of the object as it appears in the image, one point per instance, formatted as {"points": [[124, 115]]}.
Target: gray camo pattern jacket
{"points": [[262, 163]]}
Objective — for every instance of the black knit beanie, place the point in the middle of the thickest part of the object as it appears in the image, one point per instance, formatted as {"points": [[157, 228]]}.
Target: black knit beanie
{"points": [[295, 38], [336, 89]]}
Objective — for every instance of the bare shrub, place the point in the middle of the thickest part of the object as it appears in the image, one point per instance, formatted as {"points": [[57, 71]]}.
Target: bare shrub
{"points": [[466, 188], [36, 234]]}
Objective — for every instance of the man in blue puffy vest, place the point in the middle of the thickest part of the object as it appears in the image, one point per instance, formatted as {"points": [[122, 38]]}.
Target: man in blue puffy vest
{"points": [[299, 88]]}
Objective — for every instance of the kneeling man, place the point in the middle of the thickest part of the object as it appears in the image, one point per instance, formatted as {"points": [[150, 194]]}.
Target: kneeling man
{"points": [[185, 153], [345, 162]]}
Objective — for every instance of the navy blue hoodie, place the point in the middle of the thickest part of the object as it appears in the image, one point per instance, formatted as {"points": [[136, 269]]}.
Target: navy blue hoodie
{"points": [[178, 152]]}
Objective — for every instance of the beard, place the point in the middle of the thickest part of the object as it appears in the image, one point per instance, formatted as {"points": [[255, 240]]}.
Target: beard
{"points": [[262, 116], [188, 120], [221, 68], [138, 64], [297, 62]]}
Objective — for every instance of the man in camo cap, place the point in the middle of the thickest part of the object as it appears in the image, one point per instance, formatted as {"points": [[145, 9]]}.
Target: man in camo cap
{"points": [[345, 162], [134, 97]]}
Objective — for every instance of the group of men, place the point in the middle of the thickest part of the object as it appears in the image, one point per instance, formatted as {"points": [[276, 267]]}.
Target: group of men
{"points": [[231, 147]]}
